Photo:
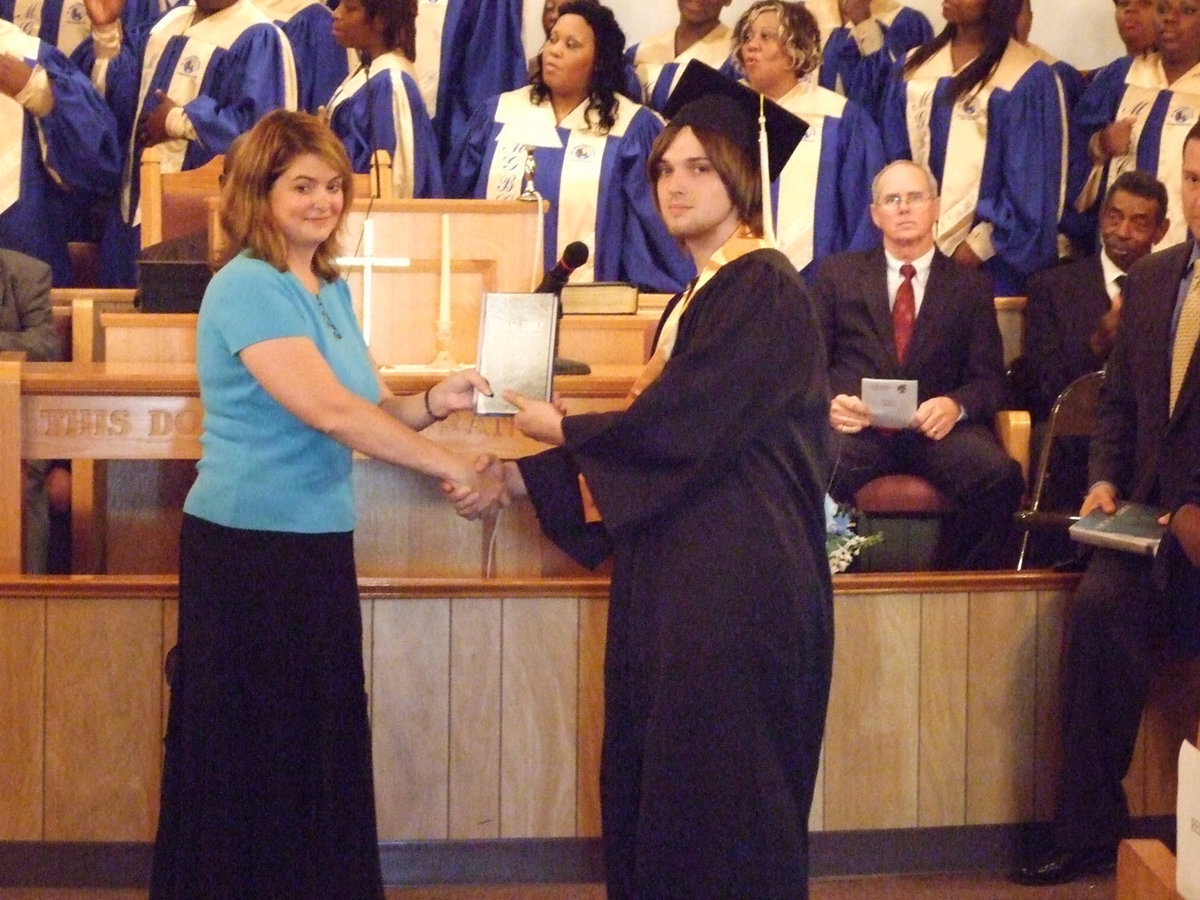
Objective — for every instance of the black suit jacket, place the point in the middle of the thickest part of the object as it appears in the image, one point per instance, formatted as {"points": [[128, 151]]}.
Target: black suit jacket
{"points": [[1065, 304], [1149, 455], [955, 349]]}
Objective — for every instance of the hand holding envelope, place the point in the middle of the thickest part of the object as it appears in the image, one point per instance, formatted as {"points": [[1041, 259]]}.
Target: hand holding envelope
{"points": [[892, 403]]}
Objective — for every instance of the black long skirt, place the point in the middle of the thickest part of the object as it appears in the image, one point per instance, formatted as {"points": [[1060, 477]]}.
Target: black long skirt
{"points": [[267, 788]]}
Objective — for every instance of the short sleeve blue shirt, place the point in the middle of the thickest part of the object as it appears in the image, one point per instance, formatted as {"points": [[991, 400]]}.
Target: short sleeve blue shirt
{"points": [[262, 468]]}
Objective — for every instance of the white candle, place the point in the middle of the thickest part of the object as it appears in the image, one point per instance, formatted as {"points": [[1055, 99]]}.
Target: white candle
{"points": [[444, 295]]}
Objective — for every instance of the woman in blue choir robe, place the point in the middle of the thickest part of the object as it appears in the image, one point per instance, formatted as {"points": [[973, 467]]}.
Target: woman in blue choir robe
{"points": [[1135, 115], [321, 62], [203, 74], [379, 106], [589, 144], [859, 53], [986, 116], [61, 139], [660, 59], [777, 45]]}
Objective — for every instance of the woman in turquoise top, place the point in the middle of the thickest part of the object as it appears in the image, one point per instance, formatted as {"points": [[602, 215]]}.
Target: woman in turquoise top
{"points": [[267, 787]]}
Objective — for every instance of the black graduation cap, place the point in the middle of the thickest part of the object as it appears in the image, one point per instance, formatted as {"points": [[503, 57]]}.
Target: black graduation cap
{"points": [[705, 98]]}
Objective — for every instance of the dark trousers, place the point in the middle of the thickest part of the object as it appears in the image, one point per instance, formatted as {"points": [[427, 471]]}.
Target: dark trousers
{"points": [[968, 466], [1114, 635]]}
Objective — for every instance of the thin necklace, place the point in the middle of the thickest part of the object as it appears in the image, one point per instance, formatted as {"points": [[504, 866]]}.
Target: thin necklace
{"points": [[325, 315]]}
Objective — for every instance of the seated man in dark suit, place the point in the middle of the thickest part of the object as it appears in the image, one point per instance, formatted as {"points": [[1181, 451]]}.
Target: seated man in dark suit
{"points": [[906, 311], [27, 325], [1119, 622], [1073, 309], [1071, 321]]}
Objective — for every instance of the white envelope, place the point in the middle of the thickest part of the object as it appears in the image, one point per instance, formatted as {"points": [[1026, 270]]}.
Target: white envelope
{"points": [[892, 401]]}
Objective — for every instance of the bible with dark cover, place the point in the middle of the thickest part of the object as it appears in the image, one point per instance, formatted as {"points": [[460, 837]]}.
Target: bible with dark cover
{"points": [[1133, 528]]}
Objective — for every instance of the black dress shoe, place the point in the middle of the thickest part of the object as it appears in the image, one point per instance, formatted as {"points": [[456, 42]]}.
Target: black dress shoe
{"points": [[1062, 866]]}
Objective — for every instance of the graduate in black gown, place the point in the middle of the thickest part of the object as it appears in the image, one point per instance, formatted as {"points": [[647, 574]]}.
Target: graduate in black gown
{"points": [[708, 491]]}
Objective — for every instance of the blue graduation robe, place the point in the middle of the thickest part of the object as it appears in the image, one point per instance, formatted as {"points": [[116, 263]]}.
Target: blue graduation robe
{"points": [[1000, 168], [70, 152], [596, 184], [842, 146], [388, 114], [227, 71]]}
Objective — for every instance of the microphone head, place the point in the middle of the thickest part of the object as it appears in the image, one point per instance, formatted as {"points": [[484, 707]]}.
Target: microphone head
{"points": [[575, 254]]}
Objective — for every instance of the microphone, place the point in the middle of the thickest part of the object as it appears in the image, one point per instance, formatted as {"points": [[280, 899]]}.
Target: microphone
{"points": [[574, 255]]}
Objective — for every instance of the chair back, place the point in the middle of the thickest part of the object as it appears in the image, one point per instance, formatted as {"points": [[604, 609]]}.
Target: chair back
{"points": [[1072, 416], [173, 202], [1074, 412]]}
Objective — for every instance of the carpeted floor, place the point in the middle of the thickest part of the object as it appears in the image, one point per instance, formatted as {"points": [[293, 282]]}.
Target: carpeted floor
{"points": [[908, 887]]}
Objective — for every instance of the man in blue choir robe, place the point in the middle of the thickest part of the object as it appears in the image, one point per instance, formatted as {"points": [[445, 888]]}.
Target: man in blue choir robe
{"points": [[57, 138], [204, 73], [1135, 114]]}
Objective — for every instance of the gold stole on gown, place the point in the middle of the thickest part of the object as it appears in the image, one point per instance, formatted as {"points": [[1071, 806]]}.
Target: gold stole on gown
{"points": [[737, 246]]}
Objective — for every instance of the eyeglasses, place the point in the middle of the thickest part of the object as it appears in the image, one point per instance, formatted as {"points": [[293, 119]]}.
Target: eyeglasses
{"points": [[912, 198]]}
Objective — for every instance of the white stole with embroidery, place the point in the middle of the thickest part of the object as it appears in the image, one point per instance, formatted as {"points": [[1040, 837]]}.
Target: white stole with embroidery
{"points": [[524, 124], [12, 117], [654, 53], [796, 211], [966, 143], [431, 22]]}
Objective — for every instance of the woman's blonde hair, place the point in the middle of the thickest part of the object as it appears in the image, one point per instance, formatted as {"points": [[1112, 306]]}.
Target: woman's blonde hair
{"points": [[279, 138], [798, 33]]}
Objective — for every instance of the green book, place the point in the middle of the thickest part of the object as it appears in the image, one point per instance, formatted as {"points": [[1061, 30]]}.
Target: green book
{"points": [[1133, 528]]}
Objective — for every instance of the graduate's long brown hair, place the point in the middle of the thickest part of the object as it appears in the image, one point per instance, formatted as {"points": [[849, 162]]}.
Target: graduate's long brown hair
{"points": [[737, 170], [267, 150]]}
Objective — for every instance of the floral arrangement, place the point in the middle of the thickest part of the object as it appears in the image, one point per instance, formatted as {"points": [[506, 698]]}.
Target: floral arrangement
{"points": [[842, 540]]}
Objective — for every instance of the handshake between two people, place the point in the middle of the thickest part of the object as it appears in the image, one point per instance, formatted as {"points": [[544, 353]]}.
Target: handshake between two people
{"points": [[495, 482]]}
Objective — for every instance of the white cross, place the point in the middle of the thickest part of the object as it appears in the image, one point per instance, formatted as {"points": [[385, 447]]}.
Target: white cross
{"points": [[368, 262]]}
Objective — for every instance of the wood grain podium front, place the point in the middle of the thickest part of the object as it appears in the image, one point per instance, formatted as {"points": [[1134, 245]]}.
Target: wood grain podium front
{"points": [[151, 412]]}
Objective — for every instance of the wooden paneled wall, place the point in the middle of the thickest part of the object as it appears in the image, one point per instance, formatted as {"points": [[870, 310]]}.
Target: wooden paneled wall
{"points": [[486, 706]]}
